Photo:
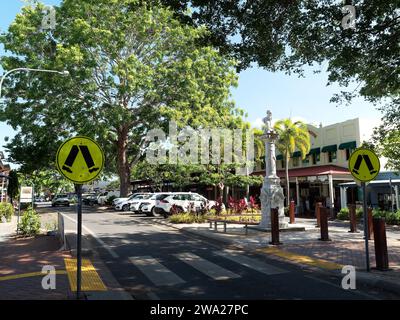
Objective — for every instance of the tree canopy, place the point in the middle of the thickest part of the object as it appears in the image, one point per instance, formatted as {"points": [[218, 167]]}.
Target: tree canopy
{"points": [[132, 67]]}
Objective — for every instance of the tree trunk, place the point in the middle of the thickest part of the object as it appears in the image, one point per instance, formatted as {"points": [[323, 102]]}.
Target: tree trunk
{"points": [[287, 182], [123, 166]]}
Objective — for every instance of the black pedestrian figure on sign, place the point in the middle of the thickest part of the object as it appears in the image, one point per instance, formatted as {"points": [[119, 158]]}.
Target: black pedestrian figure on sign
{"points": [[72, 156], [367, 161]]}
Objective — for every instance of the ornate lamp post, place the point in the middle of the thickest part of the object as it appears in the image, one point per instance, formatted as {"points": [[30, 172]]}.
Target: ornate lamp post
{"points": [[271, 192]]}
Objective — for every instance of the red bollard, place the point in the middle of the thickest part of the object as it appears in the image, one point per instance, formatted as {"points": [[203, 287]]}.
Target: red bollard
{"points": [[318, 207], [370, 225], [324, 214], [381, 253], [275, 227], [291, 212], [353, 218]]}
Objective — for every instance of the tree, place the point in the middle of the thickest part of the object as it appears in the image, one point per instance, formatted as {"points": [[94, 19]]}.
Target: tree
{"points": [[132, 68], [286, 35], [291, 135], [13, 185]]}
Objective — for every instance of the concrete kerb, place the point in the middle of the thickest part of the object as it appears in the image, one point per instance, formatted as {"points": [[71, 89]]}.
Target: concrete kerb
{"points": [[371, 279], [115, 292]]}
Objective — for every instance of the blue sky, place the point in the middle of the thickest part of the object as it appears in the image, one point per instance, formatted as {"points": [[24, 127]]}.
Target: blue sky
{"points": [[301, 98]]}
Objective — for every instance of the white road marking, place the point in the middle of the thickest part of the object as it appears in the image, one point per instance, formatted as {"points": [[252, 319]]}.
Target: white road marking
{"points": [[250, 262], [155, 271], [208, 268], [101, 242]]}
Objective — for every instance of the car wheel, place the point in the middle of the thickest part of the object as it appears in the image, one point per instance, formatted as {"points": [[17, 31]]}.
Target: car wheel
{"points": [[154, 213], [125, 207]]}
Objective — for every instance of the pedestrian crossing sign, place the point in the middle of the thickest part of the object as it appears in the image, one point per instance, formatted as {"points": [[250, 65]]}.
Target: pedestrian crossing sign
{"points": [[364, 165], [80, 159]]}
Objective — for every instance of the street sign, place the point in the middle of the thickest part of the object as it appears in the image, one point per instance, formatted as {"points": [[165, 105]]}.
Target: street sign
{"points": [[364, 165], [80, 159], [26, 195]]}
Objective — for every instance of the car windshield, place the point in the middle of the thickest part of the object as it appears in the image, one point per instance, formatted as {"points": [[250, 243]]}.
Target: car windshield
{"points": [[161, 196]]}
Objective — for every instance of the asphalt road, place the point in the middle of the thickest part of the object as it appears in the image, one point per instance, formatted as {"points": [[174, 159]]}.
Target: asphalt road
{"points": [[153, 261]]}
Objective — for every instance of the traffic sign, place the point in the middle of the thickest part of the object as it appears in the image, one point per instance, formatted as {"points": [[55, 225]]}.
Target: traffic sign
{"points": [[80, 159], [364, 165]]}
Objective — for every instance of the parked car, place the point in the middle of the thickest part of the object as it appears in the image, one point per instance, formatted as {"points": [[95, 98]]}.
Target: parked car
{"points": [[124, 204], [61, 200], [103, 197], [182, 201], [89, 199], [137, 202], [147, 204]]}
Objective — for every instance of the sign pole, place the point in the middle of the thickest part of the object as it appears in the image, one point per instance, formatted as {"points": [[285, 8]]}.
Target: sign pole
{"points": [[78, 188], [365, 213]]}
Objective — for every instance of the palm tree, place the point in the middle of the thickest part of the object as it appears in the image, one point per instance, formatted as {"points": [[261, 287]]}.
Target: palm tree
{"points": [[291, 136]]}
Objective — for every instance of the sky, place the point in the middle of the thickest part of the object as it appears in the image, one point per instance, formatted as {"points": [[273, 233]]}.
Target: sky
{"points": [[305, 99]]}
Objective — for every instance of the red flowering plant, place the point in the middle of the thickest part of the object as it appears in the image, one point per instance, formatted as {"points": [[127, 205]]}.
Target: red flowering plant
{"points": [[253, 204]]}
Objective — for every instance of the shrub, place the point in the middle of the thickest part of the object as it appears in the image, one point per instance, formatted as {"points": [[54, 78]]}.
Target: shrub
{"points": [[6, 211], [359, 213], [30, 222], [253, 205], [343, 214], [393, 218], [187, 218], [110, 200]]}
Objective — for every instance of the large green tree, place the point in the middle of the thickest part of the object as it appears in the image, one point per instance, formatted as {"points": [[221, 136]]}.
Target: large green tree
{"points": [[132, 67], [288, 34], [291, 136]]}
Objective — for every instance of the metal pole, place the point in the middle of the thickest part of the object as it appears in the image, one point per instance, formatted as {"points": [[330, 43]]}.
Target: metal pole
{"points": [[391, 194], [78, 188], [365, 213]]}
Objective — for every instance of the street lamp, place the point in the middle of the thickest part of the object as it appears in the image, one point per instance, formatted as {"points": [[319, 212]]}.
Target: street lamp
{"points": [[63, 73]]}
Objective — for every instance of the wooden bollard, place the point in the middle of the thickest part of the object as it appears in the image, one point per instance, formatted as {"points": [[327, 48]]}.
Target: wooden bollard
{"points": [[275, 227], [318, 206], [370, 225], [291, 212], [324, 213], [381, 253], [353, 218]]}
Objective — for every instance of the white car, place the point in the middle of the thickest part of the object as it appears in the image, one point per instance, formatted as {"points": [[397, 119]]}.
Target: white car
{"points": [[60, 200], [182, 201], [124, 204], [147, 206]]}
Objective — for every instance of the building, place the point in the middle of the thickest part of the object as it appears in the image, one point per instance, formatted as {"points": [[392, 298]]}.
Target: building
{"points": [[382, 193], [4, 171], [318, 177]]}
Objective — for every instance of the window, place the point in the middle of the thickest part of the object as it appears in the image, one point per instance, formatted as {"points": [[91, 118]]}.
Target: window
{"points": [[295, 162], [316, 157], [348, 153], [306, 160], [283, 162], [332, 156]]}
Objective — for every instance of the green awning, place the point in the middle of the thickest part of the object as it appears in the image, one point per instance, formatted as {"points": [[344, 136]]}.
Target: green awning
{"points": [[279, 157], [348, 145], [314, 151], [296, 154], [330, 148]]}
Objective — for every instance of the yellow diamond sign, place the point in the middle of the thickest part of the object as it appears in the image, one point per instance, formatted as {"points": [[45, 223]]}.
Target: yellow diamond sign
{"points": [[80, 159], [364, 165]]}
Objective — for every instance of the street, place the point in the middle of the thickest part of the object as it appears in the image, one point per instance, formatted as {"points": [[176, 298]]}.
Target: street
{"points": [[153, 261]]}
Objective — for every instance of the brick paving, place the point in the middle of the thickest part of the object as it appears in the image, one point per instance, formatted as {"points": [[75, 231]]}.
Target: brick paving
{"points": [[25, 255]]}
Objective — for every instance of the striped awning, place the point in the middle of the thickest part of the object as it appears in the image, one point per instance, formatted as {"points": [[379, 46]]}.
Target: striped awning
{"points": [[348, 145], [330, 148]]}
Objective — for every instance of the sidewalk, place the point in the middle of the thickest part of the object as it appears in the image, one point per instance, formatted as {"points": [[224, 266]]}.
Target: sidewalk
{"points": [[304, 249], [22, 260]]}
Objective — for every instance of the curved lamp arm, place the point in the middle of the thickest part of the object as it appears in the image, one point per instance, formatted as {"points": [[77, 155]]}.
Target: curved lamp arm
{"points": [[64, 73]]}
